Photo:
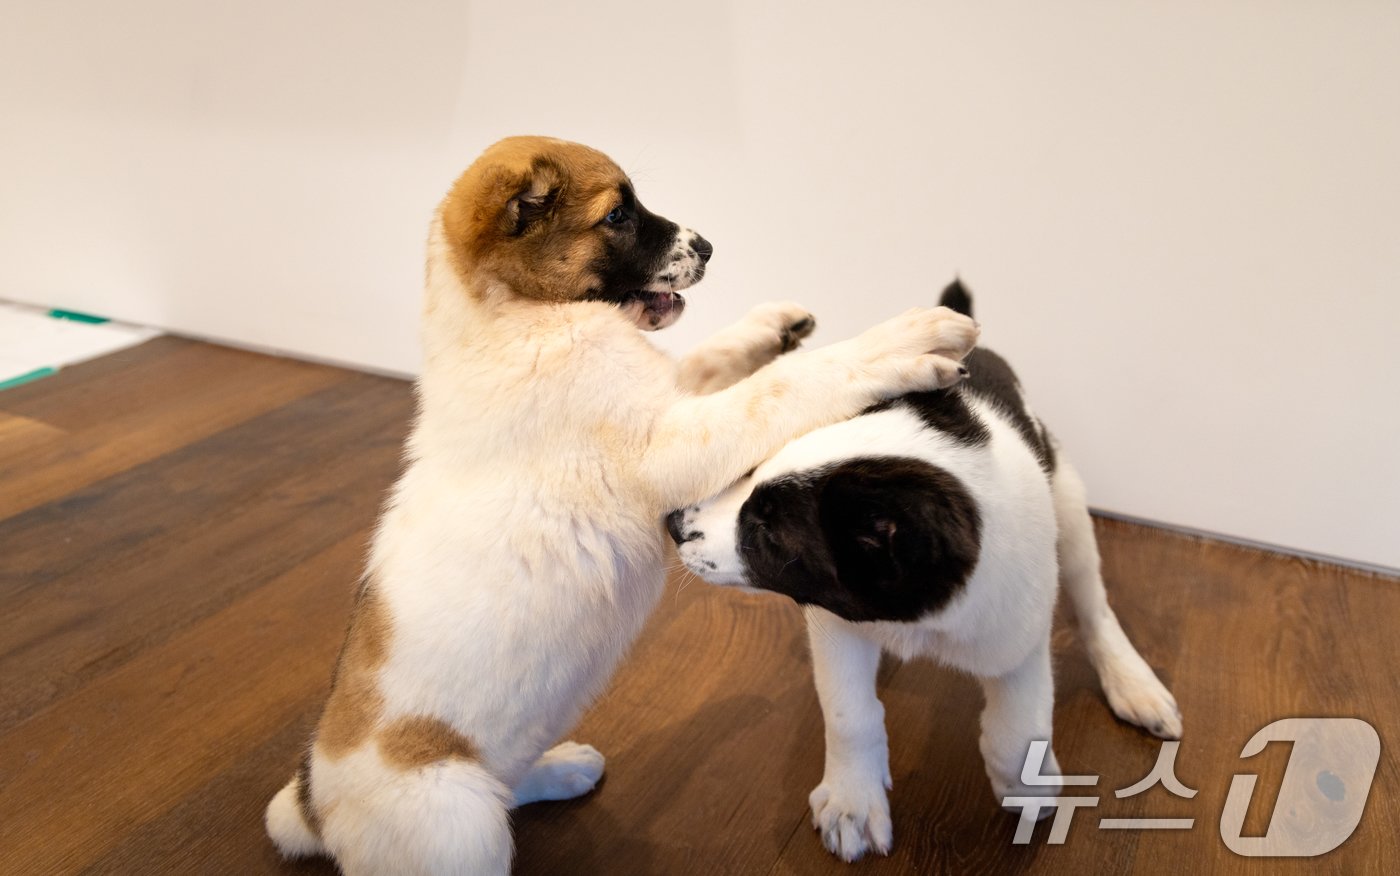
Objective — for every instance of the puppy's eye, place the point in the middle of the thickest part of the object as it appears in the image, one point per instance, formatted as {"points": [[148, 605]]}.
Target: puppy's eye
{"points": [[616, 217]]}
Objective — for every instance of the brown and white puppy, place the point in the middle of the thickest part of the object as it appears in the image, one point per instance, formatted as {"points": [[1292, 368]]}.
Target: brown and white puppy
{"points": [[520, 552]]}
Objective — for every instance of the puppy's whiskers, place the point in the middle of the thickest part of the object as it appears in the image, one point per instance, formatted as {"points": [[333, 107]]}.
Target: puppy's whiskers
{"points": [[826, 634], [684, 582]]}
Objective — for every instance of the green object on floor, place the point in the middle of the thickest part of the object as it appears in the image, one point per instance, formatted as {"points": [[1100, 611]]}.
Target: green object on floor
{"points": [[75, 316], [26, 378]]}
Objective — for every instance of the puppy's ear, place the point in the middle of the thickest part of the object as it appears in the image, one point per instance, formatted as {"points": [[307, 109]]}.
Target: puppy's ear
{"points": [[876, 534], [904, 534], [863, 509], [534, 198]]}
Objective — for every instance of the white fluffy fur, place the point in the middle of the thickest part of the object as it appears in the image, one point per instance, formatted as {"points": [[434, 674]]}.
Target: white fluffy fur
{"points": [[521, 550], [1035, 532]]}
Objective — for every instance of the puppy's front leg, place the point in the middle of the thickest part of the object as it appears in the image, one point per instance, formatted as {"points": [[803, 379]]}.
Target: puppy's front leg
{"points": [[850, 808], [733, 353], [701, 444]]}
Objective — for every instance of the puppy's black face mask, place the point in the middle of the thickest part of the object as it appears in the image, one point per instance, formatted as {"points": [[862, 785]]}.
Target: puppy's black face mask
{"points": [[645, 261], [637, 247], [880, 538]]}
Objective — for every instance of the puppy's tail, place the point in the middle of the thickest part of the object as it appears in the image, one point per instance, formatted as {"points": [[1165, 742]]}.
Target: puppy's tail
{"points": [[448, 817], [956, 297], [286, 821]]}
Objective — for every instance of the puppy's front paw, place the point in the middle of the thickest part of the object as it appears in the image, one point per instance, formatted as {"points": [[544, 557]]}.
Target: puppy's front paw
{"points": [[853, 816], [920, 332], [783, 322], [949, 333], [566, 771]]}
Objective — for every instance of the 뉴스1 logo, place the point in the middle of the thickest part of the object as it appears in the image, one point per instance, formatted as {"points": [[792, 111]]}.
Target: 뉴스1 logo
{"points": [[1318, 806], [1323, 792]]}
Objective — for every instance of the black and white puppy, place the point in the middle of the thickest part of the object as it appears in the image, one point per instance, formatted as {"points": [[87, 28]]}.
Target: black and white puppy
{"points": [[936, 524]]}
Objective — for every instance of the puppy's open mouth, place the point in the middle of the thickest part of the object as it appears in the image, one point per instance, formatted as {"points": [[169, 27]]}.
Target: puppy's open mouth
{"points": [[659, 306], [649, 310]]}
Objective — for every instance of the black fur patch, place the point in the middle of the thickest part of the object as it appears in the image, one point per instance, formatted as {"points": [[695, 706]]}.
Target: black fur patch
{"points": [[991, 378], [636, 251], [875, 538], [945, 410]]}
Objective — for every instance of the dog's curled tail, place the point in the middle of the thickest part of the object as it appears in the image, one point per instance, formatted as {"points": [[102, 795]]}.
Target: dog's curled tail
{"points": [[287, 825], [450, 817], [956, 297]]}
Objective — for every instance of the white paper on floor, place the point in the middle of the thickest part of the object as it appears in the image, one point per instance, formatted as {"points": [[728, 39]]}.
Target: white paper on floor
{"points": [[31, 340]]}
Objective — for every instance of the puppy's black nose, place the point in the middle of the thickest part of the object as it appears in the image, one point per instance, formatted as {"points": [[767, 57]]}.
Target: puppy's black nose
{"points": [[702, 248], [673, 526]]}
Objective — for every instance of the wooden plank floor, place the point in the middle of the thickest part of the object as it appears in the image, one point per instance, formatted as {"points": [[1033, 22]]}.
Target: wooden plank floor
{"points": [[180, 529]]}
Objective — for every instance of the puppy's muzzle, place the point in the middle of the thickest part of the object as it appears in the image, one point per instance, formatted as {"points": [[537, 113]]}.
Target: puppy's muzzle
{"points": [[703, 248], [675, 524]]}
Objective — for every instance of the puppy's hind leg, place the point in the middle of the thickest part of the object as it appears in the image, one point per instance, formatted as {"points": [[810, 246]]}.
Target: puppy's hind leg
{"points": [[1019, 711], [1133, 690], [566, 771], [735, 352]]}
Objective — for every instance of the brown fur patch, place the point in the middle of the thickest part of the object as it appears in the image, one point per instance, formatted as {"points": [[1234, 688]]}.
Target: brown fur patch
{"points": [[416, 741], [557, 190], [761, 402], [355, 702]]}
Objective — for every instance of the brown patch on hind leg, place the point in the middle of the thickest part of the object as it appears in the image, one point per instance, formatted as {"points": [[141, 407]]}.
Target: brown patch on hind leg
{"points": [[416, 741], [355, 704]]}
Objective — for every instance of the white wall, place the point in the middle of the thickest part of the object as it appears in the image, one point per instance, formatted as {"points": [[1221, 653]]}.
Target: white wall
{"points": [[1182, 220], [257, 171]]}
